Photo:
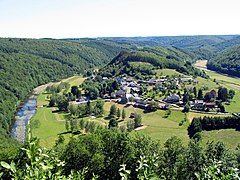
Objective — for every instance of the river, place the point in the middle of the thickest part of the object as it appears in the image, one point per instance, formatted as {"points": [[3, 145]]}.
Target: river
{"points": [[202, 68], [22, 119], [26, 112]]}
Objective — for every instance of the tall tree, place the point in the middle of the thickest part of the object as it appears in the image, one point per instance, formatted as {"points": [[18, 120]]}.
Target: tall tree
{"points": [[195, 91], [112, 123], [222, 94], [123, 114], [200, 94], [118, 113], [113, 110], [137, 120]]}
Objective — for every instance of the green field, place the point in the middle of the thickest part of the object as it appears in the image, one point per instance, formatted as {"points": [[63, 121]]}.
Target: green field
{"points": [[230, 137], [75, 80], [51, 122], [169, 72], [161, 129], [222, 78]]}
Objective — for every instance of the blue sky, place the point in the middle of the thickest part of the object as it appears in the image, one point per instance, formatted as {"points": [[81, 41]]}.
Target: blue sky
{"points": [[102, 18]]}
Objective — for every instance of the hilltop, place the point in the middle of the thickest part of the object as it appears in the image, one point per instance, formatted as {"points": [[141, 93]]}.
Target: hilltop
{"points": [[143, 62]]}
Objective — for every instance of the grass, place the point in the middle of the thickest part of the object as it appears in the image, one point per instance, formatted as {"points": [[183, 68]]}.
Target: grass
{"points": [[75, 80], [161, 129], [223, 78], [229, 136], [169, 72], [51, 122], [206, 83], [192, 115], [234, 105], [49, 126]]}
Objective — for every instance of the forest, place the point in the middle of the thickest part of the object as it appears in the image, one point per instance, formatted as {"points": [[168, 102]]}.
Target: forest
{"points": [[227, 62]]}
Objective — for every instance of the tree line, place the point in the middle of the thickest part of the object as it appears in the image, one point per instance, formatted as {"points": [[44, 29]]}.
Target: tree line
{"points": [[213, 123]]}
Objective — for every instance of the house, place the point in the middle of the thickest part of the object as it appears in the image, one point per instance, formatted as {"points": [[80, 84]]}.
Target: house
{"points": [[210, 105], [152, 81], [133, 84], [135, 89], [113, 95], [132, 115], [106, 96], [82, 99], [140, 104], [163, 106], [198, 105], [104, 78], [173, 98], [120, 93], [186, 79]]}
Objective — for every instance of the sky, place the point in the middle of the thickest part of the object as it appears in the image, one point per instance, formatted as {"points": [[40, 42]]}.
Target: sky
{"points": [[117, 18]]}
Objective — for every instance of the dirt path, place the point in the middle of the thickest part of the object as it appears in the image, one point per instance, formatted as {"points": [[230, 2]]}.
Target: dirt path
{"points": [[58, 118], [140, 128], [234, 86]]}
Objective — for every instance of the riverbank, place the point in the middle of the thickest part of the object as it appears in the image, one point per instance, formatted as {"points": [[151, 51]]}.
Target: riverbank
{"points": [[27, 110]]}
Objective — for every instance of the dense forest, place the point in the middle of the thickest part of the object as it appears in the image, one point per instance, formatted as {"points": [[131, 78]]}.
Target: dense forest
{"points": [[141, 63], [227, 62], [27, 63]]}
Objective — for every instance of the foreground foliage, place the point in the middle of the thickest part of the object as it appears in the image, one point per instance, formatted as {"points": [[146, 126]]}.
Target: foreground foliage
{"points": [[111, 154]]}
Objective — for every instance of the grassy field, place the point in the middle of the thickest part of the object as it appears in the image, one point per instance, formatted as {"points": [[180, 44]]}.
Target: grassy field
{"points": [[230, 137], [234, 105], [161, 129], [169, 72], [158, 127], [75, 80], [51, 122], [192, 115], [222, 78]]}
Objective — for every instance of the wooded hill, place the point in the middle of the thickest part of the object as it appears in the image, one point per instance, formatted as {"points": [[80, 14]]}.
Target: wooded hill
{"points": [[227, 62], [202, 47], [27, 63], [143, 62]]}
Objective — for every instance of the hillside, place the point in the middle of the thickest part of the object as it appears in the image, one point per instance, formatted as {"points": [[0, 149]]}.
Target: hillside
{"points": [[27, 63], [141, 63], [202, 47], [227, 62]]}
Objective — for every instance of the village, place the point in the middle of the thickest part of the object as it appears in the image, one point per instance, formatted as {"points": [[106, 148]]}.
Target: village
{"points": [[173, 90]]}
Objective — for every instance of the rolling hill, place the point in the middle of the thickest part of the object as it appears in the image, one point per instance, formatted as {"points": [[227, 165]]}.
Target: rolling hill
{"points": [[227, 62], [141, 63], [202, 47]]}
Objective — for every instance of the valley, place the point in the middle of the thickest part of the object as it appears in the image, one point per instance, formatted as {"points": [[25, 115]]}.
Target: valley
{"points": [[113, 102]]}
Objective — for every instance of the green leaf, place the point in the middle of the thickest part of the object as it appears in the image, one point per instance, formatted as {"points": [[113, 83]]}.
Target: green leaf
{"points": [[5, 165]]}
